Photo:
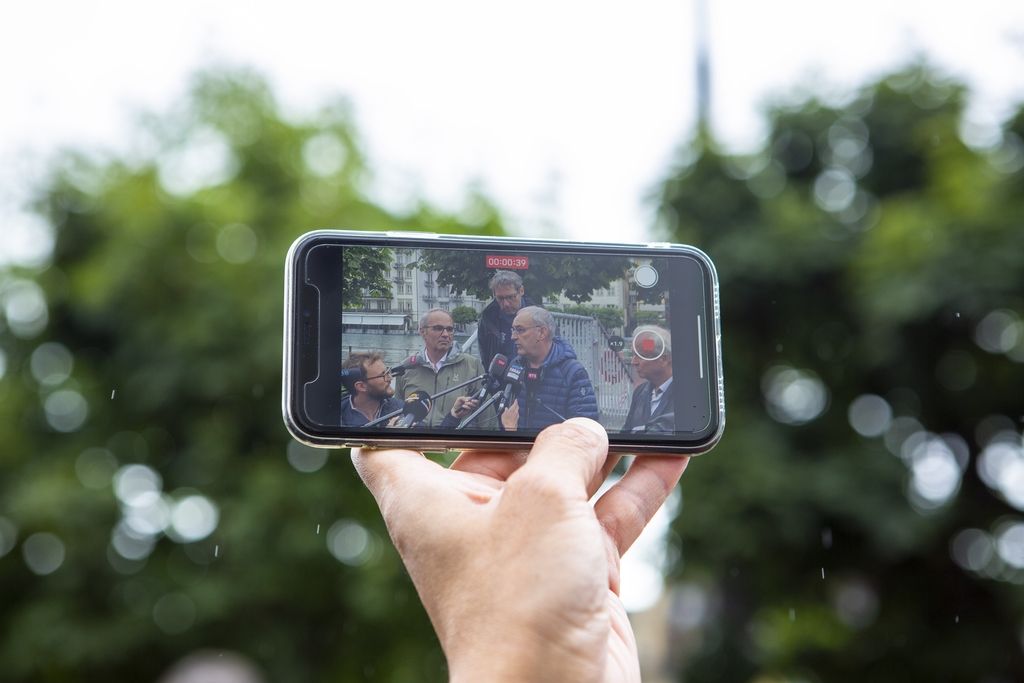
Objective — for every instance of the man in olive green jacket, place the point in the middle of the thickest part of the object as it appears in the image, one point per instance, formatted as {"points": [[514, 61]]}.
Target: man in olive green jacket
{"points": [[441, 365]]}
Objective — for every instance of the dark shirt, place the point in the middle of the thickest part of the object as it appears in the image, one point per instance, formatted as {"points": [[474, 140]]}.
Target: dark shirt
{"points": [[353, 417]]}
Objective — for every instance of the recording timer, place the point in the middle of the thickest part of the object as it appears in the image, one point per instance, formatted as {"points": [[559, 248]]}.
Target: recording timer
{"points": [[514, 262]]}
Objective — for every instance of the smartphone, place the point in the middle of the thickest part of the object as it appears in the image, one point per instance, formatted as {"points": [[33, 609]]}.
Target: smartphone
{"points": [[449, 342]]}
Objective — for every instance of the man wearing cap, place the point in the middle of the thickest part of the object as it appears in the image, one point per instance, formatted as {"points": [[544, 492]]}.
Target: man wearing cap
{"points": [[651, 409]]}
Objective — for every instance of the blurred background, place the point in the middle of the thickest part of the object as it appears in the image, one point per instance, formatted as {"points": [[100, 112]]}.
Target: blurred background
{"points": [[856, 173]]}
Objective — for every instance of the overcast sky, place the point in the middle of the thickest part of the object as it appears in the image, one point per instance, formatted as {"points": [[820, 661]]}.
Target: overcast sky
{"points": [[567, 113]]}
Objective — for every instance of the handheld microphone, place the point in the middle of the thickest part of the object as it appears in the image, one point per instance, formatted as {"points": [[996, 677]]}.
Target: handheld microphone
{"points": [[417, 405], [495, 376], [408, 364], [532, 379], [513, 383]]}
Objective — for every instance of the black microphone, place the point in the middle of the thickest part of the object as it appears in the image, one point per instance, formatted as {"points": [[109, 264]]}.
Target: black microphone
{"points": [[532, 379], [495, 377], [513, 383], [408, 364], [417, 405]]}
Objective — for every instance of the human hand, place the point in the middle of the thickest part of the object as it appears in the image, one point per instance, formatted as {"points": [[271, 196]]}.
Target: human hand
{"points": [[463, 406], [518, 572], [510, 418]]}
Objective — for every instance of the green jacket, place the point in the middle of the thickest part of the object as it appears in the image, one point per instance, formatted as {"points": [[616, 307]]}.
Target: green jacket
{"points": [[458, 368]]}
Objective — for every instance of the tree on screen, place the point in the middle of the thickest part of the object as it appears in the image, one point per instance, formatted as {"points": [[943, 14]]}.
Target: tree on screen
{"points": [[608, 317], [365, 268], [547, 275]]}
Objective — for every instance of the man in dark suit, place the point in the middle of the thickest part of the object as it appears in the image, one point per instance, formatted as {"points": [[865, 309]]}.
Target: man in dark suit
{"points": [[651, 409]]}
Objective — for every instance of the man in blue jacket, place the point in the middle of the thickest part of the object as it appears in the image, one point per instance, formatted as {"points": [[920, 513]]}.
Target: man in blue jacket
{"points": [[557, 386]]}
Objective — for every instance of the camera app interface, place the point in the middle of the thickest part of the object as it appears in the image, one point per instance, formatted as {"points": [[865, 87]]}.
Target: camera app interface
{"points": [[487, 340]]}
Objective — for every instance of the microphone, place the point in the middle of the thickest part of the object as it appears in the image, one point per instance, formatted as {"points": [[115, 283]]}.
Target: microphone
{"points": [[492, 385], [513, 383], [408, 364], [417, 405], [532, 379], [495, 377]]}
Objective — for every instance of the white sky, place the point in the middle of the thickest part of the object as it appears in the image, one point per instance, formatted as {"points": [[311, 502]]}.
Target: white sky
{"points": [[567, 113]]}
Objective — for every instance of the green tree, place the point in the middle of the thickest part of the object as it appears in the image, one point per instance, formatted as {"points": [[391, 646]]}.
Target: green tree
{"points": [[862, 254], [608, 317], [550, 275], [365, 268], [464, 315], [153, 339]]}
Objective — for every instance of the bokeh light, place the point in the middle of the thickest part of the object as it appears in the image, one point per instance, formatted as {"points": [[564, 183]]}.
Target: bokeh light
{"points": [[193, 519], [306, 458], [1001, 331], [1009, 541], [43, 552], [24, 306], [66, 410], [794, 396], [237, 243], [137, 485], [8, 536], [205, 160], [1001, 466], [350, 542], [324, 154], [870, 415], [51, 363], [935, 473], [95, 468], [972, 549], [174, 613]]}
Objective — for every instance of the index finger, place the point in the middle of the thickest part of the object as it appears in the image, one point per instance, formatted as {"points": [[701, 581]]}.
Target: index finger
{"points": [[626, 508]]}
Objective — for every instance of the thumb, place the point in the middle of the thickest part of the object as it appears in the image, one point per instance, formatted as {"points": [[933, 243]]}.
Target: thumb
{"points": [[567, 458]]}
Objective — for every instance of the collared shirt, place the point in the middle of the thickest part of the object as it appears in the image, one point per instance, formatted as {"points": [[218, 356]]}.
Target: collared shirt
{"points": [[658, 393], [439, 364]]}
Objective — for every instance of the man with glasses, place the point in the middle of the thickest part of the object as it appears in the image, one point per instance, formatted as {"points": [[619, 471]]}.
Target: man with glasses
{"points": [[367, 382], [442, 365], [494, 331], [557, 385], [651, 408]]}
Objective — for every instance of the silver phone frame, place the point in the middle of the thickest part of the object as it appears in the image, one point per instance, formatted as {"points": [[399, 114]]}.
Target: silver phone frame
{"points": [[445, 442]]}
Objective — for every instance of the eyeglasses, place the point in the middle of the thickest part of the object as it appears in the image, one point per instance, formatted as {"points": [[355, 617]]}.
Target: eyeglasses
{"points": [[518, 330], [441, 328], [387, 373], [507, 299]]}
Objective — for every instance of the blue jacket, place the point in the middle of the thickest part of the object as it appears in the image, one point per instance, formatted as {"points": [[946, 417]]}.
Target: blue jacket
{"points": [[563, 387]]}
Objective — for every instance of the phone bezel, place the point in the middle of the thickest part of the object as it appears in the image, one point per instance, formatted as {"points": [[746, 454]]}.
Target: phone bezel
{"points": [[297, 353]]}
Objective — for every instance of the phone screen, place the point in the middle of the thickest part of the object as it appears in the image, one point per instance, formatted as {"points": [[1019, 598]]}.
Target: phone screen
{"points": [[496, 339]]}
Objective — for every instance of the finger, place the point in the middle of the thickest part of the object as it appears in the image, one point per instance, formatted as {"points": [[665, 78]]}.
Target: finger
{"points": [[626, 508], [567, 457], [497, 464], [398, 475]]}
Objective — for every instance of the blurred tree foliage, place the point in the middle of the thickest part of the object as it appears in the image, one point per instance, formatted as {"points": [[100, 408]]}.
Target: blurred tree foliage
{"points": [[859, 253], [165, 286]]}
